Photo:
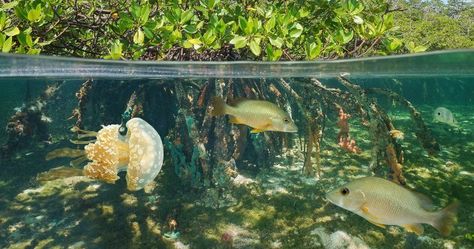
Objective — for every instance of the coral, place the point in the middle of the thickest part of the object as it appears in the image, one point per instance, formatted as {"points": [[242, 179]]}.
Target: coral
{"points": [[384, 136], [343, 138]]}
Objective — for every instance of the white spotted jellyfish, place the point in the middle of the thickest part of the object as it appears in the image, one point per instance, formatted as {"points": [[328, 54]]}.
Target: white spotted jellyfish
{"points": [[139, 152]]}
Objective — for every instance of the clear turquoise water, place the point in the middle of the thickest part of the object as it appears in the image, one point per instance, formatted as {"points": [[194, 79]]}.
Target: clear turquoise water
{"points": [[281, 207]]}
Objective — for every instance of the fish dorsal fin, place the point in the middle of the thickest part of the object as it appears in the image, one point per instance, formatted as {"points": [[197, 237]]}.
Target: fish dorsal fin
{"points": [[414, 228], [424, 201]]}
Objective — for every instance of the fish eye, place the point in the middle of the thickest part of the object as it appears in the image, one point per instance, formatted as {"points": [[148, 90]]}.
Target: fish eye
{"points": [[439, 113], [344, 191], [286, 120]]}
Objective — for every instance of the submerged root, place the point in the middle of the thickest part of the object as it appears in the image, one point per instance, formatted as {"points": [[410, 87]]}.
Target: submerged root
{"points": [[64, 152], [422, 132], [395, 166], [58, 173]]}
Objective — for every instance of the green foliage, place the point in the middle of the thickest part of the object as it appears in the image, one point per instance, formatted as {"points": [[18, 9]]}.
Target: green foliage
{"points": [[435, 25], [266, 30]]}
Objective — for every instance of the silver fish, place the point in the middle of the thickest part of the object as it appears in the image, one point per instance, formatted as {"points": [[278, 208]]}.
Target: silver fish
{"points": [[444, 115], [383, 202]]}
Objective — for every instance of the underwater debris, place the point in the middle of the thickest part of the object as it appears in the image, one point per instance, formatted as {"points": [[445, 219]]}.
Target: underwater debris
{"points": [[383, 202], [139, 152]]}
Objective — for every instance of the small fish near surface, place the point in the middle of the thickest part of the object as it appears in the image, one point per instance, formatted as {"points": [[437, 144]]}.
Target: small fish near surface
{"points": [[383, 202], [444, 115], [261, 115]]}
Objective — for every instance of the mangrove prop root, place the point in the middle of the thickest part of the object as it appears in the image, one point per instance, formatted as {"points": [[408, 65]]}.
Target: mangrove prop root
{"points": [[188, 146], [359, 93], [135, 104], [313, 132], [384, 145], [82, 97], [392, 161], [422, 132], [307, 166], [317, 134], [313, 144], [346, 100], [29, 123]]}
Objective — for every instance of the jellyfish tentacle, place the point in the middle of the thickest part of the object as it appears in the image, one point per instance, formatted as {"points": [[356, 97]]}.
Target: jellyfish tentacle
{"points": [[76, 163], [81, 142], [58, 173], [64, 152], [85, 135], [84, 132]]}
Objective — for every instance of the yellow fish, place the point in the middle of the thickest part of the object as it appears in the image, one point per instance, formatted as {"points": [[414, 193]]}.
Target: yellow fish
{"points": [[383, 202], [259, 114]]}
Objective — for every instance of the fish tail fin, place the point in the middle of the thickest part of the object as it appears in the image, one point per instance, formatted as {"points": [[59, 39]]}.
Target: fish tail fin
{"points": [[219, 106], [446, 218]]}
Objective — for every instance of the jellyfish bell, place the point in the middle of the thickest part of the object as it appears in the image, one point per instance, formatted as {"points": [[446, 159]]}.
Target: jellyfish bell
{"points": [[145, 154], [139, 152]]}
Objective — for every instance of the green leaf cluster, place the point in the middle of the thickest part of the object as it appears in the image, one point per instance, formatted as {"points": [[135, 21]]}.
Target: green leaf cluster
{"points": [[257, 30], [435, 25]]}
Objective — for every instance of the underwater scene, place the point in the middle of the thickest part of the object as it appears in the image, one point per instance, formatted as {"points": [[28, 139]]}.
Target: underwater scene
{"points": [[362, 153]]}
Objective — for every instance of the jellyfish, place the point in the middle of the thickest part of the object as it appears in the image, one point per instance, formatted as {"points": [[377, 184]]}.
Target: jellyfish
{"points": [[139, 152]]}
